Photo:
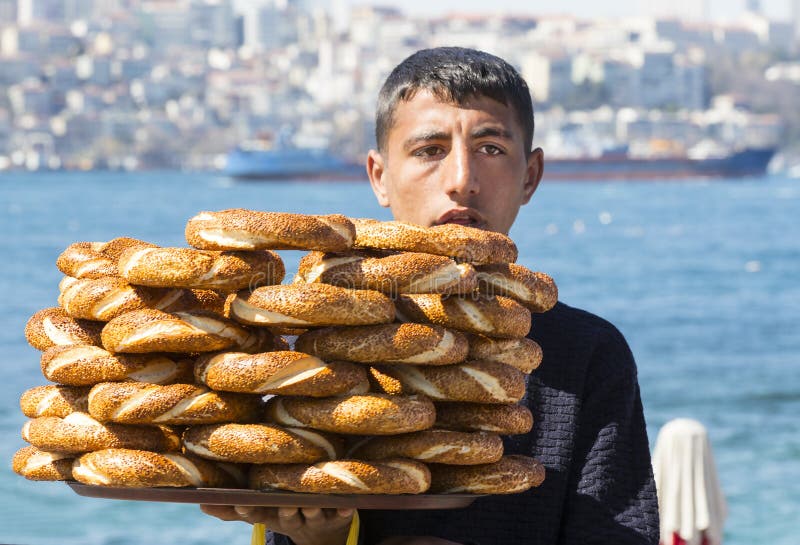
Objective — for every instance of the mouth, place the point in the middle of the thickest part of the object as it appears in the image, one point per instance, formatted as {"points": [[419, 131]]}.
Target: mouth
{"points": [[462, 216]]}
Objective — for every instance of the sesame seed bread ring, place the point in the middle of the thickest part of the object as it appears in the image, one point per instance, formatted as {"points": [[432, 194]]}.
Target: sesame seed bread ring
{"points": [[103, 299], [79, 432], [474, 381], [433, 446], [38, 465], [150, 330], [53, 326], [115, 247], [522, 353], [311, 305], [506, 419], [200, 269], [494, 316], [261, 444], [510, 475], [281, 372], [86, 365], [140, 468], [535, 290], [53, 400], [65, 283], [177, 404], [406, 272], [396, 476], [466, 244], [84, 260], [239, 229], [95, 259], [391, 343], [369, 414]]}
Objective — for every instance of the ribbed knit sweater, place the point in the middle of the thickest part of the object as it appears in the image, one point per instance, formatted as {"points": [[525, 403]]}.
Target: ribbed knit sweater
{"points": [[589, 432]]}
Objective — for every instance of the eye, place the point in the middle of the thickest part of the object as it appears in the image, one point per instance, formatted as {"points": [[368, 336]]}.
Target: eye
{"points": [[428, 152], [491, 149]]}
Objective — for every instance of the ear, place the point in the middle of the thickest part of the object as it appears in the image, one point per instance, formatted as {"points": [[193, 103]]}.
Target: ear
{"points": [[376, 171], [533, 172]]}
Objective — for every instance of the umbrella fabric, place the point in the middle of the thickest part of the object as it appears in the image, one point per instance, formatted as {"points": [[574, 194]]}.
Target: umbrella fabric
{"points": [[690, 501]]}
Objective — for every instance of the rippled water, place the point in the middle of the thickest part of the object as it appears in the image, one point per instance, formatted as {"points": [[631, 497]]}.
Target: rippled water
{"points": [[703, 278]]}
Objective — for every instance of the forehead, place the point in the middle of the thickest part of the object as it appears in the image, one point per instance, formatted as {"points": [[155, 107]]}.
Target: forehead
{"points": [[426, 112]]}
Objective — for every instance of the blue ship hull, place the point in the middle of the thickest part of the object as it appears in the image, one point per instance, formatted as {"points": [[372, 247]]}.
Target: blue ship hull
{"points": [[749, 162], [288, 164]]}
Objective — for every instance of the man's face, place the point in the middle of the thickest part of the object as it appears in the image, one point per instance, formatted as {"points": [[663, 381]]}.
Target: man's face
{"points": [[445, 163]]}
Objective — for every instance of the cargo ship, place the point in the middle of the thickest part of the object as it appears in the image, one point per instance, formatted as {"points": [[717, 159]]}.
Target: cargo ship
{"points": [[246, 163], [749, 162], [304, 163]]}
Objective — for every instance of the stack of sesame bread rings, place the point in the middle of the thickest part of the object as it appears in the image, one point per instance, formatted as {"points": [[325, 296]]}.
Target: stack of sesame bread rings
{"points": [[391, 364]]}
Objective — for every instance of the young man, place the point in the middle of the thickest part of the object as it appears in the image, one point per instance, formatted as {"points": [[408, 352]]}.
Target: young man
{"points": [[454, 134]]}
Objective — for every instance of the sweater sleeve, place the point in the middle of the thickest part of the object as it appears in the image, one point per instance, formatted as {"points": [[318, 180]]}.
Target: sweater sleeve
{"points": [[612, 496]]}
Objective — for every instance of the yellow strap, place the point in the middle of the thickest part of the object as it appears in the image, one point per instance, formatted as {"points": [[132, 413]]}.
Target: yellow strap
{"points": [[259, 535], [352, 537]]}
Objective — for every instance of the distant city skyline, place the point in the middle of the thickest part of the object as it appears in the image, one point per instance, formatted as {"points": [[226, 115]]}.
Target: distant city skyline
{"points": [[718, 10]]}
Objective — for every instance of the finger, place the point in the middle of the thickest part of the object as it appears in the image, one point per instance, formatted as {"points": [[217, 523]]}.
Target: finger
{"points": [[253, 515], [313, 515], [289, 518], [224, 512], [345, 512]]}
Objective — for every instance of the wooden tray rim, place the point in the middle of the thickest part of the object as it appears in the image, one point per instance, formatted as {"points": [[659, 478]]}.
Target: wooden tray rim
{"points": [[236, 496]]}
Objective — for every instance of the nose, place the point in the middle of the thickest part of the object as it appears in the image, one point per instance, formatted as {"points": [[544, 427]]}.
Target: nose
{"points": [[461, 176]]}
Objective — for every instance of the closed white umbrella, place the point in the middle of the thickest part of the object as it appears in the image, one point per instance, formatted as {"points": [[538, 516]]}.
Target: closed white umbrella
{"points": [[690, 501]]}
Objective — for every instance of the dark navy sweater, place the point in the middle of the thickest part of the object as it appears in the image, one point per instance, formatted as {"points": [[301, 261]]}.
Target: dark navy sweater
{"points": [[589, 433]]}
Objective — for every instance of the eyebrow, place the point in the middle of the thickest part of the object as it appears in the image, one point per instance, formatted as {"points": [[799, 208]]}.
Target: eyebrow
{"points": [[433, 135], [425, 136], [483, 132]]}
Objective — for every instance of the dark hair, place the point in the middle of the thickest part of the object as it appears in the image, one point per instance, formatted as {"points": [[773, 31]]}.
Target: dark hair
{"points": [[454, 74]]}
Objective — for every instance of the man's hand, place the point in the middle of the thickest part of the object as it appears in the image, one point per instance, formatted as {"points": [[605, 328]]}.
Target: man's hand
{"points": [[307, 526]]}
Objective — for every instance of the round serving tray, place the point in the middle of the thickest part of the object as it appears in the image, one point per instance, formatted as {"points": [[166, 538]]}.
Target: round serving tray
{"points": [[234, 496]]}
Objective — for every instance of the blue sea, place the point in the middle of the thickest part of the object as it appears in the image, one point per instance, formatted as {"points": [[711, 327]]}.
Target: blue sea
{"points": [[703, 278]]}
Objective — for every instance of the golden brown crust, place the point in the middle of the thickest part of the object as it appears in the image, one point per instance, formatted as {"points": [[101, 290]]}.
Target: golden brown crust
{"points": [[512, 474], [397, 476], [523, 353], [38, 465], [95, 259], [148, 330], [370, 414], [53, 326], [504, 419], [473, 381], [494, 316], [433, 446], [239, 229], [52, 400], [282, 372], [79, 432], [406, 272], [86, 365], [200, 269], [535, 290], [178, 404], [84, 260], [466, 244], [311, 305], [261, 444], [139, 468], [115, 247], [103, 299], [421, 344]]}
